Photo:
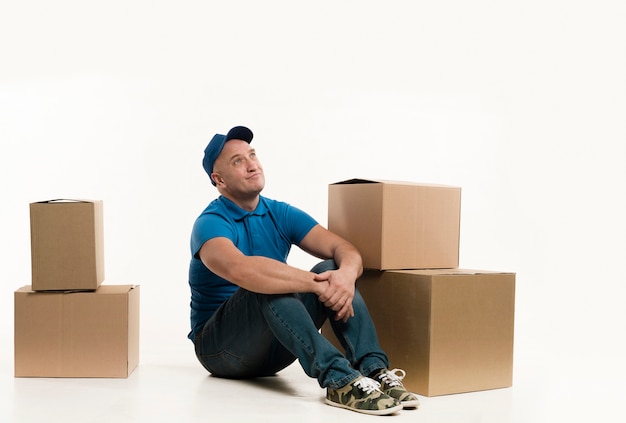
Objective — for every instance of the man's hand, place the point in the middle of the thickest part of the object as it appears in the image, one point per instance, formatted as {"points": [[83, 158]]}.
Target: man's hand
{"points": [[339, 294]]}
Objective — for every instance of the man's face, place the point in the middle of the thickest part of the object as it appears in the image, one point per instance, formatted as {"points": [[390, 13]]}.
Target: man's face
{"points": [[237, 170]]}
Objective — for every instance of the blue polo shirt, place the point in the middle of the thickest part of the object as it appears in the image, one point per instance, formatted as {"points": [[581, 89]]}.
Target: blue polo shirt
{"points": [[269, 231]]}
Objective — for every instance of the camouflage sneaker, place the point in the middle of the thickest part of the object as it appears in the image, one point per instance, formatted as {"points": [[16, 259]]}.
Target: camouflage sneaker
{"points": [[391, 384], [364, 396]]}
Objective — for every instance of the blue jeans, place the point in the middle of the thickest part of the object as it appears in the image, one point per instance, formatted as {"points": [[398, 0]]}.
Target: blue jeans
{"points": [[253, 335]]}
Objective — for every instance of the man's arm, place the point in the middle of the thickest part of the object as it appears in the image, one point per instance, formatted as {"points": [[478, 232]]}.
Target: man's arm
{"points": [[341, 283], [255, 273]]}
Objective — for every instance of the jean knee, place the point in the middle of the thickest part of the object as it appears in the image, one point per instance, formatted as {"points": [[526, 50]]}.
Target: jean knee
{"points": [[324, 266]]}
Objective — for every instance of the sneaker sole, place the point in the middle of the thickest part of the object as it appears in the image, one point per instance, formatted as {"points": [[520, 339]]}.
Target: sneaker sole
{"points": [[383, 412], [410, 404]]}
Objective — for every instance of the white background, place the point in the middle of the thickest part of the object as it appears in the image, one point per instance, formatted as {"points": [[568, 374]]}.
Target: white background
{"points": [[520, 103]]}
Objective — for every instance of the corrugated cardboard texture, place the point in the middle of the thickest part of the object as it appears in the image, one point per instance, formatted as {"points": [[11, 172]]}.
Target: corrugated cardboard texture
{"points": [[398, 225], [451, 330], [77, 334], [67, 245]]}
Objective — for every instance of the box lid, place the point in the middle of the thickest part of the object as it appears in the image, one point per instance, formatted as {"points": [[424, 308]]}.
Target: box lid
{"points": [[356, 181], [451, 272], [102, 289], [65, 200]]}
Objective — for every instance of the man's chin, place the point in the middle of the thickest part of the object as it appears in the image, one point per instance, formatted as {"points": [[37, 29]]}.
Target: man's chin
{"points": [[258, 182]]}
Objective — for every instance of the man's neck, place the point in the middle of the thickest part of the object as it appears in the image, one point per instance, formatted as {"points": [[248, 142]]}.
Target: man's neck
{"points": [[247, 204]]}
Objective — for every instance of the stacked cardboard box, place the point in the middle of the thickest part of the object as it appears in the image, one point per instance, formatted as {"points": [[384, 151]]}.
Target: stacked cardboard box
{"points": [[67, 323], [450, 329]]}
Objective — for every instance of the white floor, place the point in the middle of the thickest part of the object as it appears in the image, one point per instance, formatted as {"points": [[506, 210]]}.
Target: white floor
{"points": [[172, 386], [569, 366]]}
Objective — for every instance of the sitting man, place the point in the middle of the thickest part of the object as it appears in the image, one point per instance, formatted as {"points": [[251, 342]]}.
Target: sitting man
{"points": [[252, 315]]}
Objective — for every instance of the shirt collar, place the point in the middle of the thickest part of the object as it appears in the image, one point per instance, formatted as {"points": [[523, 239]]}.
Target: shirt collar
{"points": [[238, 213]]}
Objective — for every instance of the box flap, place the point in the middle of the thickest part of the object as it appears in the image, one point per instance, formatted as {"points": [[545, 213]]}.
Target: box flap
{"points": [[25, 288], [65, 200], [452, 272], [102, 289], [115, 289], [355, 181]]}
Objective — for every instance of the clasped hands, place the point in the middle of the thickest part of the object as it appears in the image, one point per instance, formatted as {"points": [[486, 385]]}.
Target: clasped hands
{"points": [[338, 294]]}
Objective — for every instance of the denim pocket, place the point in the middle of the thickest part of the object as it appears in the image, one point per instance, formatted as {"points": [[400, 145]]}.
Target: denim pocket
{"points": [[225, 364]]}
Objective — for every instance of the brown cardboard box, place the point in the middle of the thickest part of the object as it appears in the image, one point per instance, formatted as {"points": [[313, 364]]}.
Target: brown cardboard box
{"points": [[67, 246], [398, 225], [77, 334], [451, 330]]}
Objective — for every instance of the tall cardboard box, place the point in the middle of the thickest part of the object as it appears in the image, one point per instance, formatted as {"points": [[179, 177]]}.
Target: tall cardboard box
{"points": [[67, 245], [77, 334], [451, 330], [398, 225]]}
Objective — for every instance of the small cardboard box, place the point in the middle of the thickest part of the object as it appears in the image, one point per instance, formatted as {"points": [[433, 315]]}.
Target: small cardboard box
{"points": [[67, 245], [450, 330], [398, 225], [77, 334]]}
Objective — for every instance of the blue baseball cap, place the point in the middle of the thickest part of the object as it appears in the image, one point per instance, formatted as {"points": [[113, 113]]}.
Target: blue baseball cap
{"points": [[217, 144]]}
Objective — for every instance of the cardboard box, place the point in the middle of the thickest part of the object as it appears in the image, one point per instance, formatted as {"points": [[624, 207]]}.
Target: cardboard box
{"points": [[77, 334], [67, 246], [398, 225], [450, 330]]}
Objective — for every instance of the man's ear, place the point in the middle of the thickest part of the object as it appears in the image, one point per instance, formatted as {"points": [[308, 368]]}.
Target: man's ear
{"points": [[217, 178]]}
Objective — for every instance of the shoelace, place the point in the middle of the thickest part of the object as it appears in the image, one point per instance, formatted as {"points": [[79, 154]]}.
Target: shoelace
{"points": [[391, 378], [368, 385]]}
